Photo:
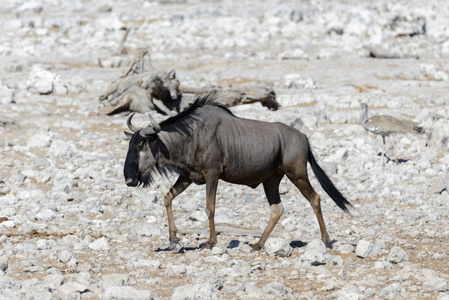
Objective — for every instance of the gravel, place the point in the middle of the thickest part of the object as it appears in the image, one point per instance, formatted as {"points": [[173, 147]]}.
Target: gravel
{"points": [[71, 228]]}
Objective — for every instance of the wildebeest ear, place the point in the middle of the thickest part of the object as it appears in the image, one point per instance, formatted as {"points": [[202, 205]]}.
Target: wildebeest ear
{"points": [[172, 74], [129, 135]]}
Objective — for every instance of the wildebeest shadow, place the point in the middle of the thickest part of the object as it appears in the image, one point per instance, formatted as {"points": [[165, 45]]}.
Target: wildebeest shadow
{"points": [[398, 161], [180, 251], [297, 244], [233, 244]]}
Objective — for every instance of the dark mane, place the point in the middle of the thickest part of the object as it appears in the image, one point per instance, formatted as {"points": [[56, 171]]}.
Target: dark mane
{"points": [[182, 120]]}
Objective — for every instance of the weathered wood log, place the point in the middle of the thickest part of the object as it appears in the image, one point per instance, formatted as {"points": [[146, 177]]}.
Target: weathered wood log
{"points": [[137, 88], [137, 93], [232, 97], [141, 63]]}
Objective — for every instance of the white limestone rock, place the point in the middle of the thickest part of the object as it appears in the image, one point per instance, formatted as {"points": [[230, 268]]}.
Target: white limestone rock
{"points": [[127, 293], [439, 185], [62, 149], [6, 94], [435, 285], [41, 80], [4, 263], [313, 258], [197, 291], [278, 247], [111, 280], [65, 256], [276, 289], [366, 249], [397, 255], [101, 244], [41, 139], [147, 229]]}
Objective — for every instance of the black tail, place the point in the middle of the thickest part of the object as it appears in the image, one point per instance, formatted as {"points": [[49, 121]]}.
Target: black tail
{"points": [[326, 183]]}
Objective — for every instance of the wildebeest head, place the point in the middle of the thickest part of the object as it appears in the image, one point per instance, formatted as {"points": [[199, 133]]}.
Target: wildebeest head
{"points": [[141, 158]]}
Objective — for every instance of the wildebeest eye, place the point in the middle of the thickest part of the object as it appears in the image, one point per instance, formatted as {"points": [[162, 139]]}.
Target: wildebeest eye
{"points": [[140, 145], [151, 137]]}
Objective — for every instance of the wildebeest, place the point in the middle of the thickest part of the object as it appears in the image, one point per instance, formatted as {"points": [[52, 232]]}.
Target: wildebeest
{"points": [[207, 142]]}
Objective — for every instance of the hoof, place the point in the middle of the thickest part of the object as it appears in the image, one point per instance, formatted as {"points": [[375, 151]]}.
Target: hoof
{"points": [[330, 244], [256, 247], [176, 246], [208, 246]]}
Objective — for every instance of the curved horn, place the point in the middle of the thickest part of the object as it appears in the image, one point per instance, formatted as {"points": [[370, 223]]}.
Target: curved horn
{"points": [[147, 131], [154, 124], [131, 126]]}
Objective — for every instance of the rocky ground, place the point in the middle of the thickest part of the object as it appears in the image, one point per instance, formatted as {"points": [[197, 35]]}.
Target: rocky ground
{"points": [[70, 228]]}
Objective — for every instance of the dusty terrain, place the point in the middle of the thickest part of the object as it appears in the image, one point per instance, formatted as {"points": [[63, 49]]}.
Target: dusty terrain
{"points": [[70, 228]]}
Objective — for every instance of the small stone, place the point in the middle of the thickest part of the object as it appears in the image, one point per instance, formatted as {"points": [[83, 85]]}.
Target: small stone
{"points": [[296, 81], [4, 263], [41, 80], [147, 263], [43, 245], [147, 229], [54, 280], [179, 269], [115, 280], [317, 246], [41, 139], [40, 162], [435, 285], [437, 256], [198, 291], [369, 293], [397, 255], [6, 94], [348, 294], [278, 247], [211, 278], [8, 224], [65, 255], [439, 185], [127, 293], [100, 244], [345, 248], [217, 250], [276, 288], [391, 290], [367, 249], [73, 287], [382, 265], [313, 258], [62, 149], [249, 286], [45, 215]]}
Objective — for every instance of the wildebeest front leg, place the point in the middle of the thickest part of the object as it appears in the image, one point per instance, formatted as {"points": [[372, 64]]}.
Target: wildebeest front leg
{"points": [[271, 187], [211, 193], [180, 185]]}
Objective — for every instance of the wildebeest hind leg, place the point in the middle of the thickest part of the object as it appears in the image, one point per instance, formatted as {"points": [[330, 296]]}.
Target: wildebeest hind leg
{"points": [[304, 186], [211, 193], [180, 185], [271, 187]]}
